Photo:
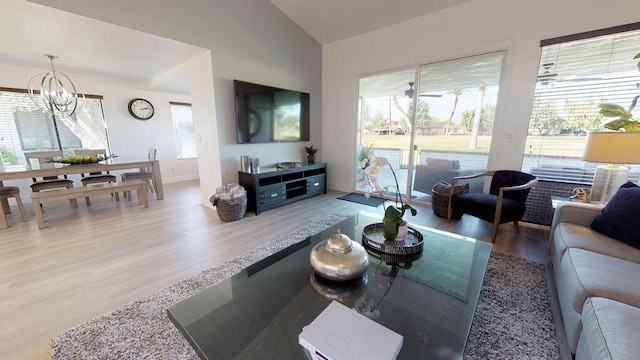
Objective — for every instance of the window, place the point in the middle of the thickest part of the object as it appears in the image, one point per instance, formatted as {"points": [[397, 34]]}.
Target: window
{"points": [[183, 127], [451, 129], [576, 74], [23, 127]]}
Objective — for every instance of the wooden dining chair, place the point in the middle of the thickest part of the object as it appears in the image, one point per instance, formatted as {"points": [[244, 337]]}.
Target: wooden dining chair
{"points": [[98, 176], [48, 182], [145, 174], [7, 192]]}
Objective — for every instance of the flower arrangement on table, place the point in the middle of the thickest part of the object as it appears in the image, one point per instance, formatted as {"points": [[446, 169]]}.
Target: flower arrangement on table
{"points": [[393, 213], [81, 159]]}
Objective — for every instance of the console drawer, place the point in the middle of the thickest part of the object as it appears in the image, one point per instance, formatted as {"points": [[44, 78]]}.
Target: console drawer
{"points": [[316, 184], [272, 195]]}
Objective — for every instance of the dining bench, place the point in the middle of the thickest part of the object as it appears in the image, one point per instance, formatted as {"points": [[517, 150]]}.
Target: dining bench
{"points": [[41, 197]]}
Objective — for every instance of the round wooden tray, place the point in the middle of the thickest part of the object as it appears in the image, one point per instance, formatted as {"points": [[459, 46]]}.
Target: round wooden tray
{"points": [[373, 239]]}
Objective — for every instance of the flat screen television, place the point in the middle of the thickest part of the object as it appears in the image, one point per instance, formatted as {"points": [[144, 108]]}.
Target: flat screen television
{"points": [[266, 114]]}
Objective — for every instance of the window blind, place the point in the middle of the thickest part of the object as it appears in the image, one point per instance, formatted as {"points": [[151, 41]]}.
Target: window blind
{"points": [[23, 127], [184, 131], [576, 74]]}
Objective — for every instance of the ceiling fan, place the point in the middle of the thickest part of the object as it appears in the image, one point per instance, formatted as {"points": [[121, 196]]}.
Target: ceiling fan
{"points": [[548, 77], [409, 92]]}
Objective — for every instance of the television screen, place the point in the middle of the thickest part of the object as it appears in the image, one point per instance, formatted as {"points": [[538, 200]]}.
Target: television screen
{"points": [[267, 114]]}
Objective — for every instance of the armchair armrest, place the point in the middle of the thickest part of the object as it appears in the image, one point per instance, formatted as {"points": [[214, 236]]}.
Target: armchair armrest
{"points": [[528, 185], [575, 213], [465, 177]]}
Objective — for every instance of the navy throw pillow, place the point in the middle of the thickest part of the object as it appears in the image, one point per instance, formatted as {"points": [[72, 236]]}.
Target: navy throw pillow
{"points": [[619, 217]]}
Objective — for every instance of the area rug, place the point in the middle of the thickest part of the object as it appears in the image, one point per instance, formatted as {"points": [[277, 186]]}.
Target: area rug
{"points": [[361, 199], [513, 319]]}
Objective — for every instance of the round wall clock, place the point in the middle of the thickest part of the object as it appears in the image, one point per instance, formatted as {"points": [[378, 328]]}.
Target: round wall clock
{"points": [[141, 109]]}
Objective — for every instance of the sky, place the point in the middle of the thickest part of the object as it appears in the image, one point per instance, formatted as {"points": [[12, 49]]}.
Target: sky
{"points": [[439, 107]]}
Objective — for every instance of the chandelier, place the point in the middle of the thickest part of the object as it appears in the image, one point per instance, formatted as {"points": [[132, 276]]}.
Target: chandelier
{"points": [[55, 93]]}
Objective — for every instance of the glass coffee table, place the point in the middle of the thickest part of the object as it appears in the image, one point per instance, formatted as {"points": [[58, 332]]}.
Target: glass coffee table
{"points": [[429, 299]]}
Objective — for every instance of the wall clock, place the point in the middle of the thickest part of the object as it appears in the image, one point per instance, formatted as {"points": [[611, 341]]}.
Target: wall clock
{"points": [[141, 109]]}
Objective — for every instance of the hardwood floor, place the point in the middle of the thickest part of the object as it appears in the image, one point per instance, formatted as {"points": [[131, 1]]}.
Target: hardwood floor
{"points": [[92, 260]]}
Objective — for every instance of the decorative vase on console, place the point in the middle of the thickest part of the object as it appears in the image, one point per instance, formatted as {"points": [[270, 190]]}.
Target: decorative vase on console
{"points": [[394, 226]]}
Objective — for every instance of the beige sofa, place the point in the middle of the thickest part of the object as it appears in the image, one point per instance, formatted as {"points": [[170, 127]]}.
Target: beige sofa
{"points": [[598, 282]]}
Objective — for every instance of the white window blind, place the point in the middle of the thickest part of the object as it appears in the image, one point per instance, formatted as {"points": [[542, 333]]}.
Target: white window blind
{"points": [[576, 74], [184, 132], [23, 127]]}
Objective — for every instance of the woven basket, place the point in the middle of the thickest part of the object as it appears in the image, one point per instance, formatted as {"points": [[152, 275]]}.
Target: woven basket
{"points": [[440, 198], [230, 209]]}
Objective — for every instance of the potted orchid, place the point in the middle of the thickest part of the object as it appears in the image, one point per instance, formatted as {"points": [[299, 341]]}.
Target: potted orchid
{"points": [[393, 221]]}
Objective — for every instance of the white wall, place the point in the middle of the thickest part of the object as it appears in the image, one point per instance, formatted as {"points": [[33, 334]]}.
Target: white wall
{"points": [[474, 27], [249, 40], [129, 138]]}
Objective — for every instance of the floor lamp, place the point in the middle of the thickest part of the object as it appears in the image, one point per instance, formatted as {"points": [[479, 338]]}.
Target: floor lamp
{"points": [[613, 149]]}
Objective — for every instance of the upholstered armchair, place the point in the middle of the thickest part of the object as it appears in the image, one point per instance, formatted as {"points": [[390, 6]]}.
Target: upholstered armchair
{"points": [[504, 203]]}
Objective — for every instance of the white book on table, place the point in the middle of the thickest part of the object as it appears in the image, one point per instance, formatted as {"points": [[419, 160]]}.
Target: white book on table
{"points": [[341, 333]]}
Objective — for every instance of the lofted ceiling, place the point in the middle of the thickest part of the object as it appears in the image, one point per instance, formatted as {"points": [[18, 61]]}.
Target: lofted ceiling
{"points": [[328, 21], [29, 31]]}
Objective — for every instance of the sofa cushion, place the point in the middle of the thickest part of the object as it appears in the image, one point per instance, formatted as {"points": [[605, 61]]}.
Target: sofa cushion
{"points": [[609, 330], [568, 235], [586, 273], [619, 217], [583, 274], [443, 163], [483, 206]]}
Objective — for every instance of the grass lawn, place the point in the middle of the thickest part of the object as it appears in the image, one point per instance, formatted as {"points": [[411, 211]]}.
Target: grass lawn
{"points": [[568, 145]]}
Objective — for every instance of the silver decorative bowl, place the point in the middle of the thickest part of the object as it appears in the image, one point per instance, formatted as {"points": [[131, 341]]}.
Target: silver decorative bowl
{"points": [[339, 290], [339, 258]]}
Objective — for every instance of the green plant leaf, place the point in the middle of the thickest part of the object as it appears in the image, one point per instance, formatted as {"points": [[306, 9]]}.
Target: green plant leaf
{"points": [[392, 217], [390, 229], [614, 110], [391, 212], [406, 207], [310, 150], [628, 125]]}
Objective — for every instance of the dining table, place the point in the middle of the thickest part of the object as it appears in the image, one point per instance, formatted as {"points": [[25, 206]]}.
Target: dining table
{"points": [[38, 170]]}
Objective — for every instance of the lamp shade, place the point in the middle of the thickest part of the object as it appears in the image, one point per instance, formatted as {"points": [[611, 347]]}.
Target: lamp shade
{"points": [[613, 147]]}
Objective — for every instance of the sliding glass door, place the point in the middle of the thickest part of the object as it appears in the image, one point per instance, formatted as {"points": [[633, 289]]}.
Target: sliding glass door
{"points": [[385, 126], [449, 134]]}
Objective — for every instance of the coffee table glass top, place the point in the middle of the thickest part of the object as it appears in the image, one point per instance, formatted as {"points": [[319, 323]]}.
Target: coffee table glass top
{"points": [[259, 312]]}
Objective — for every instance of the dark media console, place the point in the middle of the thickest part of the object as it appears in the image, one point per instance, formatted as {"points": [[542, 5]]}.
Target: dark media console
{"points": [[274, 187]]}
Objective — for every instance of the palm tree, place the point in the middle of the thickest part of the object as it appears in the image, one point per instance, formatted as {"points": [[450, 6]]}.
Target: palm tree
{"points": [[476, 118], [456, 94]]}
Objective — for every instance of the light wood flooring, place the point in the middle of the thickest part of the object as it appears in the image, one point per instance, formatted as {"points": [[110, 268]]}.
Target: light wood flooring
{"points": [[92, 260]]}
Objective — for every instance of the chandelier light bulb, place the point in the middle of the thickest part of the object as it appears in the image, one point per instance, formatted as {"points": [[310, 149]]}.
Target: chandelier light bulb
{"points": [[57, 94]]}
